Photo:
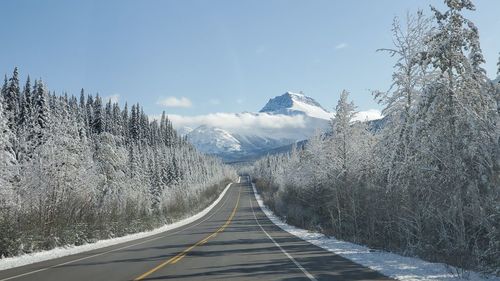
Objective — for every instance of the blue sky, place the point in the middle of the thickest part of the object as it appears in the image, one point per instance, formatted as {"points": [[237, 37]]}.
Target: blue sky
{"points": [[221, 56]]}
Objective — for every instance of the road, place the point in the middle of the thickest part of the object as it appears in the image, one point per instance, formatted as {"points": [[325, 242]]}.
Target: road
{"points": [[234, 241]]}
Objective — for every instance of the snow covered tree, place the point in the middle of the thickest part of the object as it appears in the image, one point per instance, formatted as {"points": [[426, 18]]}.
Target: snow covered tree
{"points": [[457, 131], [459, 119], [41, 113], [7, 160], [26, 104], [92, 171], [404, 94], [498, 64], [97, 116], [11, 99], [426, 184], [342, 133]]}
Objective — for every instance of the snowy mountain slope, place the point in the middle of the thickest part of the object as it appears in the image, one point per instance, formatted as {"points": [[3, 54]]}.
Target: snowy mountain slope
{"points": [[292, 103], [213, 140], [184, 130]]}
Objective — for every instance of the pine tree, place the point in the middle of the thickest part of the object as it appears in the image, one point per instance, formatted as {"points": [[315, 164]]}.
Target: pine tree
{"points": [[11, 100], [7, 162], [26, 105], [77, 178], [117, 126], [134, 124], [89, 107], [82, 99], [108, 122], [41, 112], [97, 116], [4, 87], [125, 124], [163, 128], [498, 70]]}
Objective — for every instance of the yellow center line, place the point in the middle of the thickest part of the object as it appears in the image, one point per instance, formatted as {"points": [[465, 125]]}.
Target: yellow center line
{"points": [[182, 254]]}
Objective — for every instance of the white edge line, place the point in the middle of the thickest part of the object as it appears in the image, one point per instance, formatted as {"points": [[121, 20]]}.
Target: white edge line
{"points": [[309, 275], [44, 256]]}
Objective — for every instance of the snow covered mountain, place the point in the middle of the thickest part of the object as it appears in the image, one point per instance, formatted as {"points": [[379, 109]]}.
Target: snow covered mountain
{"points": [[292, 104], [213, 140], [183, 131], [235, 143]]}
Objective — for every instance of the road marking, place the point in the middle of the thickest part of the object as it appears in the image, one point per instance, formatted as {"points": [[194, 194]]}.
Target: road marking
{"points": [[309, 275], [182, 254], [121, 248]]}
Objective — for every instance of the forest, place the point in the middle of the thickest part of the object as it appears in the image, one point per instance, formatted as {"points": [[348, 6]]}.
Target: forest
{"points": [[426, 182], [76, 170]]}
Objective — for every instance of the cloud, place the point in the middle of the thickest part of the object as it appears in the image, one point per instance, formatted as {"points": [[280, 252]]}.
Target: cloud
{"points": [[342, 45], [261, 124], [113, 98], [370, 114], [239, 121], [175, 102]]}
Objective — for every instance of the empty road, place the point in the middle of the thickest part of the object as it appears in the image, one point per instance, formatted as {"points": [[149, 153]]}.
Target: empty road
{"points": [[234, 241]]}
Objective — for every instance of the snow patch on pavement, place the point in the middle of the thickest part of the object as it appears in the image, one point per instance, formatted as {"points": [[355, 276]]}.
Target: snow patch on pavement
{"points": [[389, 264], [11, 262]]}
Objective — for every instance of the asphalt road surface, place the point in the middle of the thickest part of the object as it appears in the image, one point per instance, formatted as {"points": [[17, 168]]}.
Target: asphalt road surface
{"points": [[234, 241]]}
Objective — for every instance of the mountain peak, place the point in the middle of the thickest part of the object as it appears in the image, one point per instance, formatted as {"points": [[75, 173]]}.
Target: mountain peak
{"points": [[291, 103]]}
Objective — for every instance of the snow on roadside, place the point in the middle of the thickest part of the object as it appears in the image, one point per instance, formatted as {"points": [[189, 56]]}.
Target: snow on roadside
{"points": [[389, 264], [11, 262]]}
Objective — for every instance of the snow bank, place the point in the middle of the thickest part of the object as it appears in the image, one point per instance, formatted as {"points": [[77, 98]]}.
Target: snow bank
{"points": [[11, 262], [389, 264]]}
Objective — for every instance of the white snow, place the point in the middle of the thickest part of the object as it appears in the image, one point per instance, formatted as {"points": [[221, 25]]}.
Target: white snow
{"points": [[182, 131], [292, 104], [213, 140], [310, 109], [389, 264], [11, 262]]}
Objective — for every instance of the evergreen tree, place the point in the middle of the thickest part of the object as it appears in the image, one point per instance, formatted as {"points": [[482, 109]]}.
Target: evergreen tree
{"points": [[11, 100], [90, 114], [7, 164], [108, 122], [26, 105], [498, 64], [4, 87], [97, 116], [41, 113], [87, 166], [134, 124], [125, 125]]}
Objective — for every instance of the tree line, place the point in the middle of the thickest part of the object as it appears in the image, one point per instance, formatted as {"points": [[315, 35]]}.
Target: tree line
{"points": [[428, 183], [77, 169]]}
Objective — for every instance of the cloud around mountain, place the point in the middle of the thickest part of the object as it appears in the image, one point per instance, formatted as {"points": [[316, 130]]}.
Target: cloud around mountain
{"points": [[240, 121], [284, 119], [255, 122]]}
